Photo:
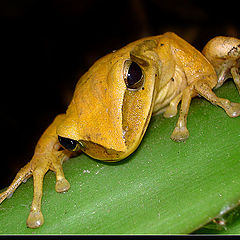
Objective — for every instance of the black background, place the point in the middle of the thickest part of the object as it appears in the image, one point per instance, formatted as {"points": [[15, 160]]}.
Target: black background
{"points": [[45, 46]]}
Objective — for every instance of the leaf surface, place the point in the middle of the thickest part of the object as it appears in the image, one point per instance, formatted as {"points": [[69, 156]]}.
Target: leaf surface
{"points": [[162, 188]]}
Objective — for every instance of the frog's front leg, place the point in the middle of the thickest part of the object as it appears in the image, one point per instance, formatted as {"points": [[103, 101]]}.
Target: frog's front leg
{"points": [[171, 110], [46, 156], [41, 163], [180, 132]]}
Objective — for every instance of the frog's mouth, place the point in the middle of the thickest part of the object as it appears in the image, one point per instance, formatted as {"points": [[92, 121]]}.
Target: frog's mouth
{"points": [[92, 149], [100, 152]]}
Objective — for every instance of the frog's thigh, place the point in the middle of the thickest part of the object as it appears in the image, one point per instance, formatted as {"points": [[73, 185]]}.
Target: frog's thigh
{"points": [[204, 89], [171, 110], [180, 132]]}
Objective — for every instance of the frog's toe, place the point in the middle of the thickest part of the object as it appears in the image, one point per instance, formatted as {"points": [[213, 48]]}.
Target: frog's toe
{"points": [[35, 219], [233, 110], [62, 185], [180, 134], [170, 112]]}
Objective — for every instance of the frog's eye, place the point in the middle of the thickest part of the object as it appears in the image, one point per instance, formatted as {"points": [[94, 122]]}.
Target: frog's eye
{"points": [[133, 75], [69, 144]]}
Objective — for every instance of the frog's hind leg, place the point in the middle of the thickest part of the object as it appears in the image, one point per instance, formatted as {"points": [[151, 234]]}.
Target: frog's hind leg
{"points": [[231, 108], [21, 176]]}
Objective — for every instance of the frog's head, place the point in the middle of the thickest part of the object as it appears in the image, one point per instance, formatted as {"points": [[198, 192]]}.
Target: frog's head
{"points": [[112, 103]]}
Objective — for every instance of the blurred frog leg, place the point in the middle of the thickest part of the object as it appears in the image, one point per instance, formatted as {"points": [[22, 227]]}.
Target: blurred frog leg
{"points": [[221, 76], [231, 108], [236, 77], [180, 132]]}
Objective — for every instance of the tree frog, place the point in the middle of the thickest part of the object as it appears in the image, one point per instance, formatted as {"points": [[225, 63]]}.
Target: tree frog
{"points": [[114, 101]]}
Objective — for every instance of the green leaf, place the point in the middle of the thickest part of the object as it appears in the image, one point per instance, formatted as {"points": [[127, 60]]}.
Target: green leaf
{"points": [[163, 187], [228, 223]]}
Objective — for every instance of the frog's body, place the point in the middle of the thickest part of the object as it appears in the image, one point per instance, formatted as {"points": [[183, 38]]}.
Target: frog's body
{"points": [[113, 102]]}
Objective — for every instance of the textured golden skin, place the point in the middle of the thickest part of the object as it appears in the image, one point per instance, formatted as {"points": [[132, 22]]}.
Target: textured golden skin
{"points": [[109, 119]]}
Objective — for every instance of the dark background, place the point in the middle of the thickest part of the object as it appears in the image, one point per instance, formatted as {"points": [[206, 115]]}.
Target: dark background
{"points": [[45, 46]]}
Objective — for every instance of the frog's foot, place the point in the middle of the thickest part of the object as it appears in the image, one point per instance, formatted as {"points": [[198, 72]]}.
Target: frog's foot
{"points": [[171, 111], [62, 185], [180, 134], [232, 109], [35, 219]]}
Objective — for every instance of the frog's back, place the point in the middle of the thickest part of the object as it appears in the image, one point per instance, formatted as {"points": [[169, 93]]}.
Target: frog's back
{"points": [[194, 64]]}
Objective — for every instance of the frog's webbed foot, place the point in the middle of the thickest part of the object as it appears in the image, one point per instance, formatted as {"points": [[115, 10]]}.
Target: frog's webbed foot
{"points": [[180, 134]]}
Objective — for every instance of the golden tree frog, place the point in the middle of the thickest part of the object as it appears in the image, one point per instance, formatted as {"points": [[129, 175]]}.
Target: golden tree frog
{"points": [[115, 99]]}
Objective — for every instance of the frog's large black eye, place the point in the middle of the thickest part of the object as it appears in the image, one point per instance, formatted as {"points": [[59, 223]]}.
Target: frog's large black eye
{"points": [[69, 144], [134, 76]]}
